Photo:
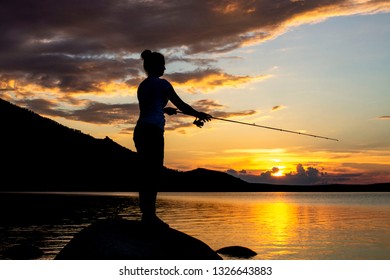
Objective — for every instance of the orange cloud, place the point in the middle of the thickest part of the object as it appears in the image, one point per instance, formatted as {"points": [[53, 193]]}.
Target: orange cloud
{"points": [[209, 80]]}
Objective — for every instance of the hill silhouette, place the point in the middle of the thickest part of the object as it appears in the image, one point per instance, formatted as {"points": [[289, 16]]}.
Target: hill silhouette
{"points": [[39, 154]]}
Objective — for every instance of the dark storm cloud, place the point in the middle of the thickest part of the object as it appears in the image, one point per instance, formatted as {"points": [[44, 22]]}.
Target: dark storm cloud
{"points": [[111, 114], [101, 113], [42, 107], [69, 73], [91, 111], [73, 45], [199, 62]]}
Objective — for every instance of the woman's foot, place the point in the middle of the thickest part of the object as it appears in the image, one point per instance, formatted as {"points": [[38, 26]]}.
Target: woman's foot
{"points": [[152, 220]]}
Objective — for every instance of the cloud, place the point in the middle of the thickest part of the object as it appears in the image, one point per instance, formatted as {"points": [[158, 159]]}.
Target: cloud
{"points": [[314, 176], [205, 80], [210, 106], [302, 176], [100, 113], [384, 117], [87, 111], [278, 107], [69, 36], [122, 113], [68, 73], [214, 108], [71, 46]]}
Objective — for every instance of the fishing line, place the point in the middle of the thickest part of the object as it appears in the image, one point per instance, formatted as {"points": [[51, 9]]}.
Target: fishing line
{"points": [[199, 123]]}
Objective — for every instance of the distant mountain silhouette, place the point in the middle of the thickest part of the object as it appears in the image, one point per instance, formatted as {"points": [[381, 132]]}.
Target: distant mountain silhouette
{"points": [[205, 180], [38, 153]]}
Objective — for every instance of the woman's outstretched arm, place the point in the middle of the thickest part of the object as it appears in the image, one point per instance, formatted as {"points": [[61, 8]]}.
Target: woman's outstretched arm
{"points": [[184, 107]]}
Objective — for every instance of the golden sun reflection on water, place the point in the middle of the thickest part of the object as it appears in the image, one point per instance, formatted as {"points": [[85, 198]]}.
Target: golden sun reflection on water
{"points": [[276, 225], [279, 219], [283, 226]]}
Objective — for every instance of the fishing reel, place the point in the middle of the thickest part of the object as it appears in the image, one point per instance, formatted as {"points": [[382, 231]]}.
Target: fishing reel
{"points": [[198, 122]]}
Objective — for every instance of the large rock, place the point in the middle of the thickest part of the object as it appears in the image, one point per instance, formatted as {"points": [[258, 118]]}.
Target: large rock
{"points": [[118, 239]]}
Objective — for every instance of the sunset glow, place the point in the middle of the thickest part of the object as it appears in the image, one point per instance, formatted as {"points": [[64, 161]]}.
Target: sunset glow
{"points": [[320, 68], [278, 173]]}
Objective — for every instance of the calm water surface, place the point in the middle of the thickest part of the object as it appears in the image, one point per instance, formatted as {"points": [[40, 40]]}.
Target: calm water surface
{"points": [[287, 226]]}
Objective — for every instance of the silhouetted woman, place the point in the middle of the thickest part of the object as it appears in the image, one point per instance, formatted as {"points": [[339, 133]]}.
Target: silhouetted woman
{"points": [[153, 95]]}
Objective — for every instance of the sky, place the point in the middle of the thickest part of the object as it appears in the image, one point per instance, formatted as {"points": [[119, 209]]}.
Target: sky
{"points": [[320, 67]]}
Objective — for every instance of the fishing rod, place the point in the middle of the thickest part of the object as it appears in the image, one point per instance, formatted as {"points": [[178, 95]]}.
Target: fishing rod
{"points": [[199, 123]]}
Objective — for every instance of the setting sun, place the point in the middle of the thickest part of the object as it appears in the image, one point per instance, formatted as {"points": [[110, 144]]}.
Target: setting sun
{"points": [[278, 171], [278, 174]]}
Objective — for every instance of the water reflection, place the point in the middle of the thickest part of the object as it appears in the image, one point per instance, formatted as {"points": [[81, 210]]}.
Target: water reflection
{"points": [[275, 225], [282, 227], [50, 221]]}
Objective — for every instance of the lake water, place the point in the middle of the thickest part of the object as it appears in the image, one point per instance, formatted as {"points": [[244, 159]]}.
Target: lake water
{"points": [[276, 225]]}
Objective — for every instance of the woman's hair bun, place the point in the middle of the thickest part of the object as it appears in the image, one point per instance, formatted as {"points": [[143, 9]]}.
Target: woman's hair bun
{"points": [[145, 54]]}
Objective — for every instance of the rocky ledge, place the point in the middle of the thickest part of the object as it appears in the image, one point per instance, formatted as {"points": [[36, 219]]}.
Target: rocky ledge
{"points": [[119, 239]]}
